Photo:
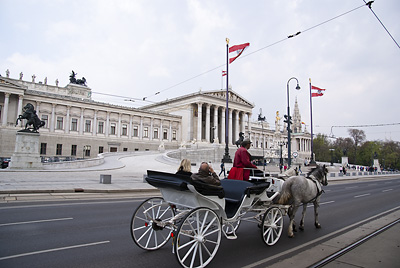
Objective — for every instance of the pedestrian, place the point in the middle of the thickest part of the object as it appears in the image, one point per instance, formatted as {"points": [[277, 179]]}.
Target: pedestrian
{"points": [[300, 172], [222, 169]]}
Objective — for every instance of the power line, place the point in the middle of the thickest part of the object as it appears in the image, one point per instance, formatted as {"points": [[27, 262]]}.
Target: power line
{"points": [[373, 125], [258, 50], [376, 16]]}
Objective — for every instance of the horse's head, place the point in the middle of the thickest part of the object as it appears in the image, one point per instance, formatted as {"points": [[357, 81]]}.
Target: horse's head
{"points": [[320, 173]]}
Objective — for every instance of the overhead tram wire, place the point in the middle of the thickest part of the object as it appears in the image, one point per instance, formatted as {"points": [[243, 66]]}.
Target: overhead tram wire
{"points": [[376, 16], [258, 50], [374, 125]]}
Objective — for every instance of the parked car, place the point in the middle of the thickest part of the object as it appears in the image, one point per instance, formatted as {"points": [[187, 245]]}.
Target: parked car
{"points": [[4, 162]]}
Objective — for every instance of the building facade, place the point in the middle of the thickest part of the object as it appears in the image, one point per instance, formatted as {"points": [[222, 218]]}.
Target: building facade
{"points": [[77, 126]]}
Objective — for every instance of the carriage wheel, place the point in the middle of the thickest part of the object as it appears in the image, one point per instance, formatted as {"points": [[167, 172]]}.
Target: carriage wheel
{"points": [[145, 231], [198, 238], [271, 226], [231, 228]]}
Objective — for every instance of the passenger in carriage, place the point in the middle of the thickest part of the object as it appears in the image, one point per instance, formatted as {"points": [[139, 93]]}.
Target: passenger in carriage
{"points": [[242, 158], [185, 168], [206, 174]]}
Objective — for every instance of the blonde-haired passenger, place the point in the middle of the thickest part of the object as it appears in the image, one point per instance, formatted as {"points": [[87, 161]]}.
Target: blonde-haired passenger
{"points": [[185, 168]]}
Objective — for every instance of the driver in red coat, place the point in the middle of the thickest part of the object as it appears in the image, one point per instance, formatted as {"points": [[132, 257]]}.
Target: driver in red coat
{"points": [[242, 158]]}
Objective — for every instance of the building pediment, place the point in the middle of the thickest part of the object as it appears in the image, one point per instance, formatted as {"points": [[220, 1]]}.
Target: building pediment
{"points": [[232, 97], [4, 82]]}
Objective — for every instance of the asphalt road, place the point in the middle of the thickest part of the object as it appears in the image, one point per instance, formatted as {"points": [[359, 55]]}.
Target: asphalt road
{"points": [[95, 233]]}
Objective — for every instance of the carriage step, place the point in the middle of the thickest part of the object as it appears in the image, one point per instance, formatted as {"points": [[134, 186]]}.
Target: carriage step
{"points": [[231, 236]]}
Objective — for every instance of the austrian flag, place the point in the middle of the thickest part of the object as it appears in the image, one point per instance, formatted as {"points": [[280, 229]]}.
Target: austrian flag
{"points": [[320, 91], [238, 49]]}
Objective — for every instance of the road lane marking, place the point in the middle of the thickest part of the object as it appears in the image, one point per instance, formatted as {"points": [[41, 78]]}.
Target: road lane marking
{"points": [[361, 195], [323, 203], [351, 187], [38, 221], [52, 250], [387, 190]]}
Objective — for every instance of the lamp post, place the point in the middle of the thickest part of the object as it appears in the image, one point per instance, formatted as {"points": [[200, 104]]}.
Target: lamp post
{"points": [[289, 121], [280, 144], [331, 155], [261, 119]]}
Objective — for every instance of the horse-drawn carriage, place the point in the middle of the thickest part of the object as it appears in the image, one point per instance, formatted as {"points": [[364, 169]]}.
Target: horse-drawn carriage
{"points": [[196, 215]]}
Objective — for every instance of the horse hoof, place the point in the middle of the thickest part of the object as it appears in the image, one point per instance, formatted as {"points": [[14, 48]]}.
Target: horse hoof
{"points": [[301, 228], [318, 226], [291, 236]]}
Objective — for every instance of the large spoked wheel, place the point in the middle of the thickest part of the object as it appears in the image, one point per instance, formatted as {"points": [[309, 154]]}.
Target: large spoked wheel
{"points": [[271, 226], [198, 238], [147, 228]]}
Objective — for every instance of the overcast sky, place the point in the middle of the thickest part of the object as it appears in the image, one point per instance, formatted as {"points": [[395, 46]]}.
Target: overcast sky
{"points": [[138, 48]]}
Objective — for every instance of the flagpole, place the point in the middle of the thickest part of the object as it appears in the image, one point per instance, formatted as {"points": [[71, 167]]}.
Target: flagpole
{"points": [[312, 137], [227, 158]]}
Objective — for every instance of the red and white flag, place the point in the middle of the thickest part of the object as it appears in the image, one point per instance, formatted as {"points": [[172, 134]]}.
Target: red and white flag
{"points": [[223, 73], [238, 49], [320, 91]]}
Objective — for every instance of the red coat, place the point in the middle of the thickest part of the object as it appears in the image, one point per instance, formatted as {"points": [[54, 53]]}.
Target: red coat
{"points": [[242, 160]]}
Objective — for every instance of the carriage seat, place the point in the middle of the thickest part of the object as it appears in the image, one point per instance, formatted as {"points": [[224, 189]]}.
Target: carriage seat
{"points": [[179, 182], [236, 190]]}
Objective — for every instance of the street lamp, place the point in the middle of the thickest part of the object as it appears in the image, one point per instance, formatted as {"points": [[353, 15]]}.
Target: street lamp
{"points": [[280, 144], [331, 155], [289, 120], [261, 119]]}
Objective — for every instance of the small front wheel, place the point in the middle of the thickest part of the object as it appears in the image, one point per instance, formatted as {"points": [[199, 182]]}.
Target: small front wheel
{"points": [[271, 226], [148, 227], [198, 238]]}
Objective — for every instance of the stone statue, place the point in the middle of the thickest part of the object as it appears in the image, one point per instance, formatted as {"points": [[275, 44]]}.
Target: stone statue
{"points": [[32, 119], [45, 80], [7, 73], [277, 121], [33, 78], [241, 138], [57, 82], [73, 80], [21, 75]]}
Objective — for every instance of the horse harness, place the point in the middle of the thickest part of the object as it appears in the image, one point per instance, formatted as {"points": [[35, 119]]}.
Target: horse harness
{"points": [[318, 185]]}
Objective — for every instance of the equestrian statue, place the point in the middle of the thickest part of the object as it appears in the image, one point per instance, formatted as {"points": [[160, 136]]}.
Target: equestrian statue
{"points": [[32, 119]]}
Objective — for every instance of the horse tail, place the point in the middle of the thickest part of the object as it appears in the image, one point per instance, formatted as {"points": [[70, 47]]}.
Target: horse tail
{"points": [[286, 193]]}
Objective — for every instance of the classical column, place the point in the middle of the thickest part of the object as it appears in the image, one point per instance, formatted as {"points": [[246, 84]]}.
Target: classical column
{"points": [[20, 99], [5, 109], [190, 128], [215, 127], [38, 109], [236, 134], [170, 132], [119, 125], [94, 132], [151, 128], [53, 117], [248, 124], [242, 128], [199, 120], [66, 130], [161, 136], [222, 140], [130, 127], [208, 120], [82, 124], [141, 128], [230, 122], [108, 124]]}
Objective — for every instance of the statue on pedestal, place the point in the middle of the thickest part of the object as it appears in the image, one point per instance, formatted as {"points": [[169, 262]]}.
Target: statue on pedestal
{"points": [[32, 119]]}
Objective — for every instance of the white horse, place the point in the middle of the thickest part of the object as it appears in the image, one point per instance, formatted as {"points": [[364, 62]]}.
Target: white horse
{"points": [[288, 173], [298, 190]]}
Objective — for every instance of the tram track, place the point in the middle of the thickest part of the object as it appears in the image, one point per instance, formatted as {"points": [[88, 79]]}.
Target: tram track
{"points": [[352, 246]]}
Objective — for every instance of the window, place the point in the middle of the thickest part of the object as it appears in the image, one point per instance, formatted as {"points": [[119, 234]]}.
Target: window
{"points": [[155, 135], [101, 149], [74, 124], [124, 130], [113, 149], [112, 129], [88, 125], [174, 135], [135, 131], [146, 132], [100, 129], [43, 148], [125, 149], [73, 149], [87, 152], [45, 118], [165, 135], [59, 149], [59, 122]]}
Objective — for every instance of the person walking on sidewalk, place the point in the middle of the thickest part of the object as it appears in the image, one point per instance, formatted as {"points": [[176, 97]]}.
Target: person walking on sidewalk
{"points": [[222, 169]]}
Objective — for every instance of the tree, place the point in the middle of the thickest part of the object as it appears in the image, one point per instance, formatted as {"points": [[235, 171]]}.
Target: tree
{"points": [[321, 147], [358, 138]]}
